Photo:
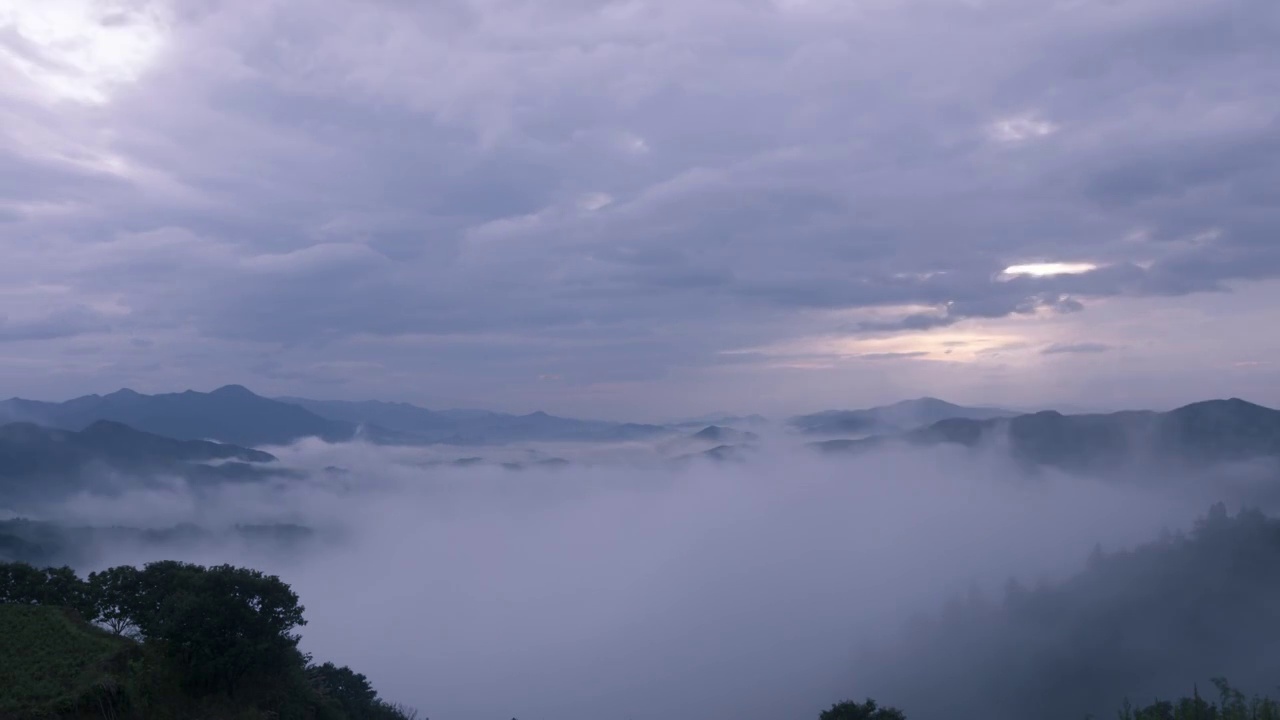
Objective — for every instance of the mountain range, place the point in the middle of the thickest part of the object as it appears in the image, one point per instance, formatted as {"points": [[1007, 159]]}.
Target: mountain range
{"points": [[38, 461], [132, 432], [1200, 434], [898, 417], [466, 427], [234, 414], [230, 414]]}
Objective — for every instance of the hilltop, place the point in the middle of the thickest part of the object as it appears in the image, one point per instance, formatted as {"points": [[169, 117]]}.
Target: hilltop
{"points": [[231, 414], [898, 417], [1199, 434]]}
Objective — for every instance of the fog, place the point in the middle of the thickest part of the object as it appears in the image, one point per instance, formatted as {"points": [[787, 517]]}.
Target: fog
{"points": [[624, 587]]}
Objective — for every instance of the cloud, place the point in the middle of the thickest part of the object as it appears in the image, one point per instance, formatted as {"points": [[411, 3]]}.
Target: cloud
{"points": [[1076, 348], [56, 325], [894, 355], [662, 184]]}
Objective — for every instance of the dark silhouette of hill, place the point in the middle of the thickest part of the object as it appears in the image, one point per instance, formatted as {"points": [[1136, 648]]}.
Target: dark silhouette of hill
{"points": [[1203, 433], [26, 446], [230, 414], [718, 454], [40, 461], [473, 426], [898, 417], [55, 544], [724, 435], [1134, 624]]}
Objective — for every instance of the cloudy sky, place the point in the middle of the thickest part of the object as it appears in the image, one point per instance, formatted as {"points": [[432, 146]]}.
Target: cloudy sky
{"points": [[643, 208]]}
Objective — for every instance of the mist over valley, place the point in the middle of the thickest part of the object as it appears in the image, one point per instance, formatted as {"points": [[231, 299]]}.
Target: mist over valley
{"points": [[668, 577]]}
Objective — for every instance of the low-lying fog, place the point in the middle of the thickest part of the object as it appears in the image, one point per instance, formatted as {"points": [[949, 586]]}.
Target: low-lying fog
{"points": [[630, 589]]}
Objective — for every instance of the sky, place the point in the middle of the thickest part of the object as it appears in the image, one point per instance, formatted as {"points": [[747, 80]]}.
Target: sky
{"points": [[643, 209]]}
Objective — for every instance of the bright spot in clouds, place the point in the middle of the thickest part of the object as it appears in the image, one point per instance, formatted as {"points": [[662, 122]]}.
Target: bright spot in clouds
{"points": [[595, 200], [1019, 128], [1049, 268], [78, 49], [949, 345]]}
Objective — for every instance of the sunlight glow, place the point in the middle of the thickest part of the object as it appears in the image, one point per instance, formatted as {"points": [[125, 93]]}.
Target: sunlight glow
{"points": [[948, 345], [1049, 268], [80, 49]]}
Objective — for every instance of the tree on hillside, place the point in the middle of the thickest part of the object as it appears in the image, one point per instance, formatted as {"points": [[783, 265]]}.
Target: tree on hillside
{"points": [[21, 584], [352, 692], [869, 710], [222, 624], [24, 584], [115, 593], [350, 689]]}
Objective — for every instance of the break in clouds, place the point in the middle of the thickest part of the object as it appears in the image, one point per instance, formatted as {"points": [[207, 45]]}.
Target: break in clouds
{"points": [[623, 586]]}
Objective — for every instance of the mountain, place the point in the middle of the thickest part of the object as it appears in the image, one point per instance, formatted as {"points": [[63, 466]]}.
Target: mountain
{"points": [[53, 544], [37, 461], [24, 445], [723, 419], [1199, 434], [901, 416], [724, 435], [230, 414], [465, 427]]}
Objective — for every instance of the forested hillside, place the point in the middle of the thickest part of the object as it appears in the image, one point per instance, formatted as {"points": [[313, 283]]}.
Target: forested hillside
{"points": [[169, 641], [1134, 624]]}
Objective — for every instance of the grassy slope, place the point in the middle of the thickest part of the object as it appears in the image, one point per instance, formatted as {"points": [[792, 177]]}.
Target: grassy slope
{"points": [[52, 663]]}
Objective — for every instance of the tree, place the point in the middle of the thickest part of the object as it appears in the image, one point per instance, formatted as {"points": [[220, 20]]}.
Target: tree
{"points": [[849, 710], [22, 583], [349, 689], [220, 624], [64, 588], [115, 596]]}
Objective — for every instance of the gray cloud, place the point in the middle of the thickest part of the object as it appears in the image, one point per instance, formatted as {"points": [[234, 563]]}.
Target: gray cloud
{"points": [[59, 324], [621, 192], [1076, 348]]}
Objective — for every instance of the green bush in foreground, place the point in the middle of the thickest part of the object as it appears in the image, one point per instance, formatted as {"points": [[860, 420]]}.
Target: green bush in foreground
{"points": [[180, 641]]}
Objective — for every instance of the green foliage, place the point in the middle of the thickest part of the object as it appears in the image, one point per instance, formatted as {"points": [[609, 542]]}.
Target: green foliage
{"points": [[23, 584], [352, 692], [114, 592], [52, 663], [217, 642], [221, 624]]}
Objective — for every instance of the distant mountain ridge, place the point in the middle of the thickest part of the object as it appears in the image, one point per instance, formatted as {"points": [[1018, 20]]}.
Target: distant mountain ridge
{"points": [[231, 414], [1203, 433], [236, 415], [723, 419], [473, 426], [898, 417], [37, 461]]}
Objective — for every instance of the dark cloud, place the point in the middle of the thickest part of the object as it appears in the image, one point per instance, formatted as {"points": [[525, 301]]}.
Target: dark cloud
{"points": [[624, 192], [60, 324]]}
